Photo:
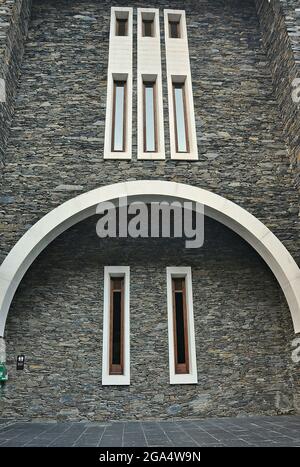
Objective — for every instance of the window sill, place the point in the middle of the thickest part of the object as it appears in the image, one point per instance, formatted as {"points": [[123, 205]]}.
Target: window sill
{"points": [[183, 379], [118, 155], [184, 156], [115, 380], [152, 156]]}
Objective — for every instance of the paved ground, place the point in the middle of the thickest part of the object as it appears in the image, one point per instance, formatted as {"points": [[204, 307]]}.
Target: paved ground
{"points": [[254, 431]]}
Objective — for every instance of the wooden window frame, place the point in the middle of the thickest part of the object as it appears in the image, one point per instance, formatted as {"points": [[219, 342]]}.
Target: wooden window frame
{"points": [[180, 368], [153, 84], [116, 369], [115, 83], [118, 21], [186, 125]]}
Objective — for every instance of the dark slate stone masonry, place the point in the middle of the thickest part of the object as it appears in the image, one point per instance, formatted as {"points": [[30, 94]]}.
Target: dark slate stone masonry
{"points": [[280, 28], [14, 17]]}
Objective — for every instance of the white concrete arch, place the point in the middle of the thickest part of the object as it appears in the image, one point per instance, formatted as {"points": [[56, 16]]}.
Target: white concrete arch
{"points": [[228, 213]]}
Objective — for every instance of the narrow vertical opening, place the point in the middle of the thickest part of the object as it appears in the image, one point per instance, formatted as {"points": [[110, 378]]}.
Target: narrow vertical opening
{"points": [[116, 366], [119, 116], [150, 116], [148, 24], [148, 28], [180, 114], [121, 23], [174, 26], [181, 344]]}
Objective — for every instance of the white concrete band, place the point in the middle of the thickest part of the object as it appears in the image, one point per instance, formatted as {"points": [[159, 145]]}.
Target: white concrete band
{"points": [[76, 209]]}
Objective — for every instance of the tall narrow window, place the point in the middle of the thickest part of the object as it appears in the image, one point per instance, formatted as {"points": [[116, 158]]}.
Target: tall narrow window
{"points": [[150, 131], [121, 26], [181, 124], [116, 325], [180, 326], [119, 116], [174, 29], [182, 347], [148, 27]]}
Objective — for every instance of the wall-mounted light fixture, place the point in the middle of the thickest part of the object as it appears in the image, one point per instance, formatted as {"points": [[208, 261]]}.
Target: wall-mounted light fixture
{"points": [[20, 362]]}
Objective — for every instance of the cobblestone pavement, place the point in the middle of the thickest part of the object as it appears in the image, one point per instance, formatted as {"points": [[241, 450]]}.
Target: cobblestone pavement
{"points": [[252, 431]]}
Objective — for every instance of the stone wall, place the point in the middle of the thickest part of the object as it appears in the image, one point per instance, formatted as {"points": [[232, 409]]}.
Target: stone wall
{"points": [[56, 321], [14, 17], [56, 151], [280, 28]]}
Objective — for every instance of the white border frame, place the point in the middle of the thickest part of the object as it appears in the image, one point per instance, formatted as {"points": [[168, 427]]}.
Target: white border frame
{"points": [[148, 67], [179, 70], [119, 67], [191, 377], [107, 379]]}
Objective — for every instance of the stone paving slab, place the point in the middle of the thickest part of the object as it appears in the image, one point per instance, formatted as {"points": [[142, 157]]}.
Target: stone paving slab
{"points": [[220, 432]]}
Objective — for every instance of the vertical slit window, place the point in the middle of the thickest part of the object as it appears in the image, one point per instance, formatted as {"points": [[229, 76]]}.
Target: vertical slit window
{"points": [[116, 325], [180, 326], [174, 29], [121, 26], [119, 120], [148, 28], [150, 136], [181, 124]]}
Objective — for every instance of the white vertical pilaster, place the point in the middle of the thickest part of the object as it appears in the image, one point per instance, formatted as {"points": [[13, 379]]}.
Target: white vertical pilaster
{"points": [[178, 70], [149, 68], [119, 68]]}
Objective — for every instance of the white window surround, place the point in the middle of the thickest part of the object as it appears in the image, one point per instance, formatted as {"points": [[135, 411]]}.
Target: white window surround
{"points": [[149, 69], [119, 68], [179, 71], [191, 377], [107, 379]]}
